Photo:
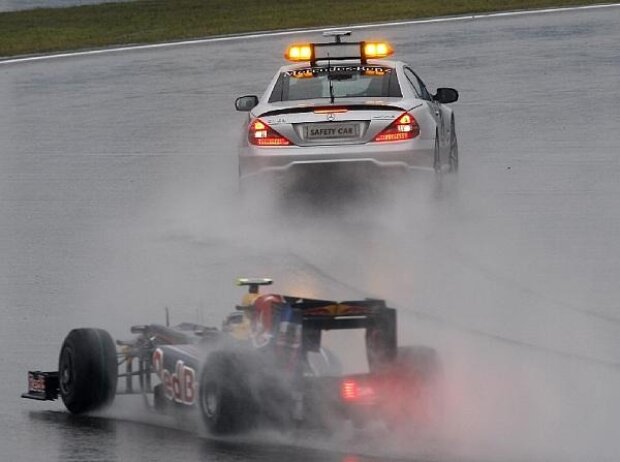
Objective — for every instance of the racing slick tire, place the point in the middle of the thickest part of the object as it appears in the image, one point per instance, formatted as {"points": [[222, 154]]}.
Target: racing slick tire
{"points": [[418, 389], [454, 148], [225, 397], [87, 370]]}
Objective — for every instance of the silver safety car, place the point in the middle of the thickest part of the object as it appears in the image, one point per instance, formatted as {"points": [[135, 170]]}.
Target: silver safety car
{"points": [[342, 103]]}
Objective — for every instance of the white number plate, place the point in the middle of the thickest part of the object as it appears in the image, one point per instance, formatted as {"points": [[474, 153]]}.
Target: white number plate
{"points": [[331, 130]]}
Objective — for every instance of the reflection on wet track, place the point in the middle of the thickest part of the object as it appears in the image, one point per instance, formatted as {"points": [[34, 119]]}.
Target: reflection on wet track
{"points": [[118, 199], [82, 438]]}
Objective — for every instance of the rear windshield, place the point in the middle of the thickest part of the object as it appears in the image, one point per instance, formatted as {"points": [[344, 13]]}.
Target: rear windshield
{"points": [[346, 82]]}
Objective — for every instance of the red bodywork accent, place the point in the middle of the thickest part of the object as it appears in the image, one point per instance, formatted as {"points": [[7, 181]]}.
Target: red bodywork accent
{"points": [[263, 306]]}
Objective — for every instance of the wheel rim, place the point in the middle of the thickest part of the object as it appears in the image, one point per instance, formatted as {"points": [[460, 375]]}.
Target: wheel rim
{"points": [[66, 372], [210, 401]]}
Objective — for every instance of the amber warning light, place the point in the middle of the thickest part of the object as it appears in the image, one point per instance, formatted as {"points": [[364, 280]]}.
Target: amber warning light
{"points": [[313, 52], [377, 49], [298, 52]]}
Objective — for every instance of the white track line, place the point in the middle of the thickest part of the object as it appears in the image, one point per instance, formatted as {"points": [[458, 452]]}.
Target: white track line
{"points": [[227, 38]]}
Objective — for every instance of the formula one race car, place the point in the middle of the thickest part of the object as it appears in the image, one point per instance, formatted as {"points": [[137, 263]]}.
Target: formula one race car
{"points": [[268, 364]]}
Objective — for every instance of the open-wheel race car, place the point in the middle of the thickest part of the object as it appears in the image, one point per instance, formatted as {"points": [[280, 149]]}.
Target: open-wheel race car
{"points": [[270, 363]]}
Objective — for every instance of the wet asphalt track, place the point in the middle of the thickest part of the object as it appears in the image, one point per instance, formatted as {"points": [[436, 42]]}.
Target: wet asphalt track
{"points": [[118, 199]]}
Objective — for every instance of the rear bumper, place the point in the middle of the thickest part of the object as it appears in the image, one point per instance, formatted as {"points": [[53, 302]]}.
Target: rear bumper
{"points": [[407, 155]]}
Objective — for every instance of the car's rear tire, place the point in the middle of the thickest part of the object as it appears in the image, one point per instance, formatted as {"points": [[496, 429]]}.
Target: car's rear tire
{"points": [[437, 156], [87, 369], [226, 401], [454, 149], [418, 361], [417, 394]]}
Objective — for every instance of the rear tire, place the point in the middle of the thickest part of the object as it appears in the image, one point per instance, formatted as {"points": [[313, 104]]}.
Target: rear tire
{"points": [[437, 156], [88, 370], [454, 149], [418, 361], [417, 373]]}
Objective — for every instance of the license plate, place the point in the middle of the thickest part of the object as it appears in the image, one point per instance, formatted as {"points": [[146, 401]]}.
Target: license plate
{"points": [[331, 130]]}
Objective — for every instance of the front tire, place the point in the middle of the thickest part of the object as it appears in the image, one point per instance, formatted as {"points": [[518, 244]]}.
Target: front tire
{"points": [[88, 370]]}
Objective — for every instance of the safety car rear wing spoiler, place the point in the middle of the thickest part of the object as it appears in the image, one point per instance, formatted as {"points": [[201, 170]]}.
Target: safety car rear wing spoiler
{"points": [[327, 108]]}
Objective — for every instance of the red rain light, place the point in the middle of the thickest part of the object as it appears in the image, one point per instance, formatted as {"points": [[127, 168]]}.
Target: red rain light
{"points": [[353, 390], [349, 390]]}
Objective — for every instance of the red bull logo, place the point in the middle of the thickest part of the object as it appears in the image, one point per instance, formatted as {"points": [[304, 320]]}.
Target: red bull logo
{"points": [[179, 385]]}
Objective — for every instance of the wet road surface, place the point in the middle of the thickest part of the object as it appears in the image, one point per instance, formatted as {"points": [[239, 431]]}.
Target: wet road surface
{"points": [[118, 199]]}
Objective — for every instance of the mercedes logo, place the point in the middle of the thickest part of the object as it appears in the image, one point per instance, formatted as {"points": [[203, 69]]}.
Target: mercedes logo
{"points": [[331, 117]]}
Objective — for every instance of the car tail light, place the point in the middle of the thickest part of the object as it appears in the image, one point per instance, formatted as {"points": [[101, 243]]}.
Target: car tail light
{"points": [[354, 391], [261, 134], [403, 128]]}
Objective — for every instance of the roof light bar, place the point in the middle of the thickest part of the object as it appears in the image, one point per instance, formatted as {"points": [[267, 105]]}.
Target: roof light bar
{"points": [[338, 50]]}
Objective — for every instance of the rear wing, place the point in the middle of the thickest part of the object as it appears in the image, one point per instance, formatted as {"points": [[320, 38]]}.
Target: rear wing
{"points": [[337, 315], [374, 316]]}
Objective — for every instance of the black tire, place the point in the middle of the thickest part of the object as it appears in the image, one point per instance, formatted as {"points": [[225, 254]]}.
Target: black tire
{"points": [[454, 149], [88, 370], [437, 157], [418, 361], [160, 403], [419, 376], [226, 401]]}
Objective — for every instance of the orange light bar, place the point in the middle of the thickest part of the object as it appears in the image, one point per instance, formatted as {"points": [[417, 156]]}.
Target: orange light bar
{"points": [[377, 49], [299, 52]]}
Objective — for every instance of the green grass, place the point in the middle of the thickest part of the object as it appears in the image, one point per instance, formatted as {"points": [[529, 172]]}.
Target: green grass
{"points": [[47, 30]]}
